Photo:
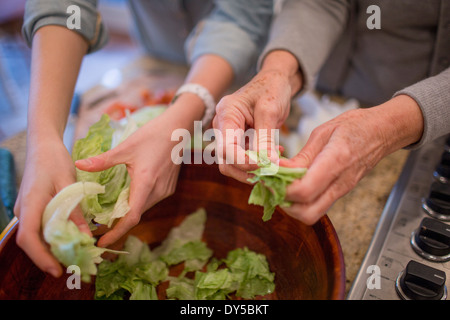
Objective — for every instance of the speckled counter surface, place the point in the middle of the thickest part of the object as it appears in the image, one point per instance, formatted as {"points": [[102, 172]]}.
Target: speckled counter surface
{"points": [[354, 216]]}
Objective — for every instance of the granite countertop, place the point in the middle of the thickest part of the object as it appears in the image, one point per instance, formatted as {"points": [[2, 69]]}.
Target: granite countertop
{"points": [[354, 216]]}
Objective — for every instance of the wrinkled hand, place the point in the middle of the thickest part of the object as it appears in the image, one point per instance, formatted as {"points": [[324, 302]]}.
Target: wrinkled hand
{"points": [[263, 104], [49, 168], [146, 153], [340, 152]]}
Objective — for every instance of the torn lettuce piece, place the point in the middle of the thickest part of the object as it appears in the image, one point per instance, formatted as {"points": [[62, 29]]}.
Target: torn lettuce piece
{"points": [[270, 183], [136, 273], [195, 254], [102, 136], [67, 243], [251, 271], [184, 244], [144, 291], [214, 285], [190, 230], [181, 288], [243, 272], [113, 203]]}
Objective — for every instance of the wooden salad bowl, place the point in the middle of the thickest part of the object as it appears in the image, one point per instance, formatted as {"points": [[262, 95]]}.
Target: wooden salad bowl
{"points": [[307, 260]]}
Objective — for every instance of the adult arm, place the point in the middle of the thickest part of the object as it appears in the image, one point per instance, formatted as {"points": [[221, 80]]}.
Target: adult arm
{"points": [[433, 97]]}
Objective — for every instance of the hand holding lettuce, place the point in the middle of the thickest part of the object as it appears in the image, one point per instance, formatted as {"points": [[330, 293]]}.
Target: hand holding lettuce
{"points": [[103, 136], [145, 154], [103, 196], [270, 183], [67, 243]]}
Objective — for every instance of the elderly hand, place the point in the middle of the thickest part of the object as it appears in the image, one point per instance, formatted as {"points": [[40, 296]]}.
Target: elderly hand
{"points": [[340, 152], [263, 104]]}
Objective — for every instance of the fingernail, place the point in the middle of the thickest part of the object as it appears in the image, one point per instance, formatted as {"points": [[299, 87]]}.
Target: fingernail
{"points": [[53, 272], [84, 162]]}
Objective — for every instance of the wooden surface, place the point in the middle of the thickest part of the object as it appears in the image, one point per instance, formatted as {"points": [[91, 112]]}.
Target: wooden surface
{"points": [[307, 261]]}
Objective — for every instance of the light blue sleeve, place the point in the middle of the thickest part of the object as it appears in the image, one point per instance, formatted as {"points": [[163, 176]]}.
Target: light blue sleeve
{"points": [[236, 30], [39, 13]]}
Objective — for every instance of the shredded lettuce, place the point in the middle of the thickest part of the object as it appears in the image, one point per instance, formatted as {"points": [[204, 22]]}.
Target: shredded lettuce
{"points": [[102, 136], [270, 183], [67, 243], [251, 271], [113, 203], [244, 273], [136, 273]]}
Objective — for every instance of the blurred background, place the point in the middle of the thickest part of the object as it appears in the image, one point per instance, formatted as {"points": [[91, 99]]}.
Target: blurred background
{"points": [[15, 58]]}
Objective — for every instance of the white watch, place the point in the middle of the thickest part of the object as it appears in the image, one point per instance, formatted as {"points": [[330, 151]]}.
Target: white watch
{"points": [[203, 94]]}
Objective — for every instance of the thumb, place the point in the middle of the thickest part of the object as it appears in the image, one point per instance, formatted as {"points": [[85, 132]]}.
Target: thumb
{"points": [[77, 217], [100, 162], [309, 152]]}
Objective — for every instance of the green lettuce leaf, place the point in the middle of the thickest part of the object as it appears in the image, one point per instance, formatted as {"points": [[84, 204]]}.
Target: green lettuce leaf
{"points": [[214, 285], [144, 291], [243, 272], [67, 243], [136, 273], [181, 288], [251, 271], [102, 208], [102, 136], [270, 183], [190, 230]]}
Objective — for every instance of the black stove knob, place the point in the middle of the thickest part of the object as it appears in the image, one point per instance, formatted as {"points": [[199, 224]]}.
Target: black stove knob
{"points": [[432, 240], [437, 204], [442, 172], [421, 282]]}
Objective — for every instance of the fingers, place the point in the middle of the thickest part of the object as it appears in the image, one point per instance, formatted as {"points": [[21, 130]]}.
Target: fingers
{"points": [[101, 162], [266, 123], [77, 217], [235, 173], [142, 196], [230, 145], [309, 212], [33, 246], [29, 235]]}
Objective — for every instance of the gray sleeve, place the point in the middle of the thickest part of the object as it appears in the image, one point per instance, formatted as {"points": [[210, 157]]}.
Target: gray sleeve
{"points": [[433, 97], [309, 30], [39, 13], [236, 30]]}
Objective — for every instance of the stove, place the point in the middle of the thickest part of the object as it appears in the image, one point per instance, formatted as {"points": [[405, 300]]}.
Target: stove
{"points": [[409, 255]]}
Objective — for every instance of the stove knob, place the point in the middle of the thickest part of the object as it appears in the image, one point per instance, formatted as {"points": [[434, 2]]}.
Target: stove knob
{"points": [[442, 172], [432, 240], [421, 282], [437, 204]]}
